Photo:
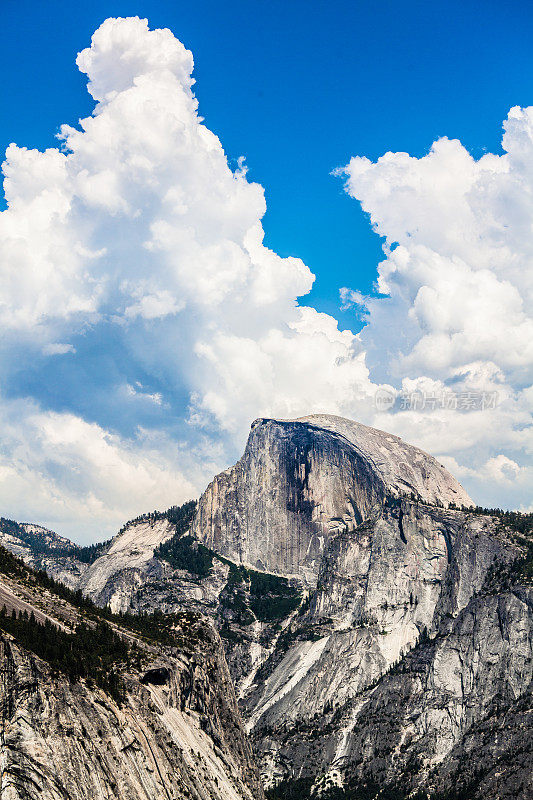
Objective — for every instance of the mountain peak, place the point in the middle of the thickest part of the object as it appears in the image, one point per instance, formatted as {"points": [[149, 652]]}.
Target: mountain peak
{"points": [[301, 481], [403, 468]]}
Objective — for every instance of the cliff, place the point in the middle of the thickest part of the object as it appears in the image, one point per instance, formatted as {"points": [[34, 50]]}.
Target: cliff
{"points": [[173, 732], [301, 482], [402, 655]]}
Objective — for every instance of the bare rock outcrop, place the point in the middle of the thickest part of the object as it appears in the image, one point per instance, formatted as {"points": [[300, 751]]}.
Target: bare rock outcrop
{"points": [[126, 565], [301, 482]]}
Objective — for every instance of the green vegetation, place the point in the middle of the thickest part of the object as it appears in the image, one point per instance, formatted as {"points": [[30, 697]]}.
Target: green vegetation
{"points": [[297, 789], [227, 633], [521, 570], [520, 523], [92, 653], [38, 542], [183, 551], [516, 520], [271, 597], [186, 553], [258, 595], [301, 789], [10, 564], [95, 649], [250, 594], [237, 574], [502, 577], [89, 553], [180, 516], [157, 626]]}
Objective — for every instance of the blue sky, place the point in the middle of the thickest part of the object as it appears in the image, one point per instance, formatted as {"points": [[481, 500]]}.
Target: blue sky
{"points": [[297, 88], [145, 321]]}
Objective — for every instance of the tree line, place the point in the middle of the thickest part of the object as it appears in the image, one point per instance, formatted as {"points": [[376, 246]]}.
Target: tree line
{"points": [[90, 652]]}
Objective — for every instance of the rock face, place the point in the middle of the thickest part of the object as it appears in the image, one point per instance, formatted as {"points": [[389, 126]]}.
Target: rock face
{"points": [[455, 713], [301, 482], [335, 666], [177, 735], [114, 578], [129, 577]]}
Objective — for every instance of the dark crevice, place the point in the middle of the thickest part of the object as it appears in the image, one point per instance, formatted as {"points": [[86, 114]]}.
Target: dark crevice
{"points": [[400, 525]]}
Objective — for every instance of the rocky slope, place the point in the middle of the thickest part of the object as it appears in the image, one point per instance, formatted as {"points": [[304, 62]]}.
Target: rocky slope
{"points": [[176, 732], [127, 564], [453, 717], [131, 577], [334, 705]]}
